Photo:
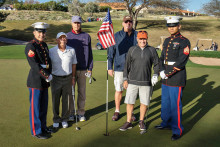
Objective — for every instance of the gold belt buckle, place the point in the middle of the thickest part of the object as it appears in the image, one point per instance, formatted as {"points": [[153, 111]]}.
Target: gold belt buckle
{"points": [[47, 66]]}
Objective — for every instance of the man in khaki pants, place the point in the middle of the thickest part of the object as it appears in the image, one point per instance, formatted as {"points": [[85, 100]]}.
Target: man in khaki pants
{"points": [[81, 42]]}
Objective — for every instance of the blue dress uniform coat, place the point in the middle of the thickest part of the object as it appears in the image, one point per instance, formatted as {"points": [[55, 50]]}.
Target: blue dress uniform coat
{"points": [[37, 54], [173, 59]]}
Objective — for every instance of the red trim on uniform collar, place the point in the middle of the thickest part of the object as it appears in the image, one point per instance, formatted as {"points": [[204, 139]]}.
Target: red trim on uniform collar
{"points": [[75, 32], [177, 34], [37, 41]]}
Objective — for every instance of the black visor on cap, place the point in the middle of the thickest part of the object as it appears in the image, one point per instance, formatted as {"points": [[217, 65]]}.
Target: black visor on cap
{"points": [[172, 24], [40, 30]]}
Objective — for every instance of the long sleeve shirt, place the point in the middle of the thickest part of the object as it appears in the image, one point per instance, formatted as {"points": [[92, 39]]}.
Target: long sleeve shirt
{"points": [[138, 65], [82, 44], [117, 53]]}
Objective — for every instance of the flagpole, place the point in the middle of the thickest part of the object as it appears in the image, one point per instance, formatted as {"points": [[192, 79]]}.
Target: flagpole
{"points": [[107, 134]]}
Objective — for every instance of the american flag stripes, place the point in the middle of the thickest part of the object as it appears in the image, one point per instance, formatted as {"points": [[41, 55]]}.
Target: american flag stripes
{"points": [[106, 32]]}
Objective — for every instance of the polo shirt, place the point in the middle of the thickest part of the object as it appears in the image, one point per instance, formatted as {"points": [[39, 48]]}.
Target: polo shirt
{"points": [[62, 61]]}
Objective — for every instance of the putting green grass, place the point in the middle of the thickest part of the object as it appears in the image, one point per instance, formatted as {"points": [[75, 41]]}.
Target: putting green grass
{"points": [[200, 112]]}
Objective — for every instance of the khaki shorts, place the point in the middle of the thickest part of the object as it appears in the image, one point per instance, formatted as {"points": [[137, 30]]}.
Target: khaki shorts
{"points": [[118, 80], [132, 92]]}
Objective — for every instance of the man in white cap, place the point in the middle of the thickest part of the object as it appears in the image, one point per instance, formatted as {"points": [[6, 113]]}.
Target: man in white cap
{"points": [[81, 42], [174, 57], [37, 54], [64, 63]]}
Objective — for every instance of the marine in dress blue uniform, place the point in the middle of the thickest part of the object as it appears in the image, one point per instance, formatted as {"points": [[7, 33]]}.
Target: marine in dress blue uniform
{"points": [[37, 54], [174, 57]]}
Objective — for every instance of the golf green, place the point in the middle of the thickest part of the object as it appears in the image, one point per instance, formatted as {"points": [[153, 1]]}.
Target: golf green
{"points": [[201, 108]]}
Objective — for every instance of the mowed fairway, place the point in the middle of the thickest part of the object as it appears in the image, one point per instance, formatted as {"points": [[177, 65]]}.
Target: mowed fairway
{"points": [[201, 110]]}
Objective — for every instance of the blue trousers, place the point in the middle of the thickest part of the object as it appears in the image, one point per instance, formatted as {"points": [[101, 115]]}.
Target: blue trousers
{"points": [[171, 108], [38, 110]]}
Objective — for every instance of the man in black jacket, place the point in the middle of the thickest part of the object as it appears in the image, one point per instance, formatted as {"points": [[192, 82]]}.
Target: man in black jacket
{"points": [[37, 54], [137, 77]]}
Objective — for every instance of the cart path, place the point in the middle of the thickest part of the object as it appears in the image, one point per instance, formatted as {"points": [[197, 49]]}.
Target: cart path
{"points": [[12, 41], [205, 61]]}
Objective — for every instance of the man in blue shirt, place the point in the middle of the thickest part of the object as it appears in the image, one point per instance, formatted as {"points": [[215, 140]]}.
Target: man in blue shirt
{"points": [[124, 39]]}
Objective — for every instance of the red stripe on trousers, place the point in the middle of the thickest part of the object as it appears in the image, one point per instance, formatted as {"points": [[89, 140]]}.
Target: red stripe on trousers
{"points": [[178, 109], [32, 112]]}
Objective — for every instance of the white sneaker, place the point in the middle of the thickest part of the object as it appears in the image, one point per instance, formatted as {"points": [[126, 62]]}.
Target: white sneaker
{"points": [[56, 125], [71, 118], [82, 118], [64, 124]]}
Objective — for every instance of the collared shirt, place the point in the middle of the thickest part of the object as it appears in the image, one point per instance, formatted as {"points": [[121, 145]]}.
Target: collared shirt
{"points": [[62, 61]]}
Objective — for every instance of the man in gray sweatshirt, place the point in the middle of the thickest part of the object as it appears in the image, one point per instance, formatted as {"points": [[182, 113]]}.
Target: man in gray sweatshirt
{"points": [[137, 77]]}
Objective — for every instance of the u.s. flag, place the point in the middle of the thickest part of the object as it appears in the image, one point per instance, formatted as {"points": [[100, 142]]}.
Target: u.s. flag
{"points": [[106, 32]]}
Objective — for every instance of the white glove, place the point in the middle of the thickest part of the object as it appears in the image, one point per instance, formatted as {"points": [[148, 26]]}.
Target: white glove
{"points": [[49, 78], [154, 79], [163, 75]]}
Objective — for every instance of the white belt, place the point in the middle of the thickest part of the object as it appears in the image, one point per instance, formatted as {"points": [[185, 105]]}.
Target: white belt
{"points": [[169, 62], [44, 66]]}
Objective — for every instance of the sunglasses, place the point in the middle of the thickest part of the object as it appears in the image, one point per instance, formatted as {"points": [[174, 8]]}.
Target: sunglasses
{"points": [[128, 21]]}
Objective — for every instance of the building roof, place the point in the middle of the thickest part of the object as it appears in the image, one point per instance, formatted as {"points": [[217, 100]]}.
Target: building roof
{"points": [[115, 6]]}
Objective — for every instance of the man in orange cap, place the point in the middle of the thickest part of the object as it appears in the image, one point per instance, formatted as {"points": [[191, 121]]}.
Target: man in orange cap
{"points": [[137, 77]]}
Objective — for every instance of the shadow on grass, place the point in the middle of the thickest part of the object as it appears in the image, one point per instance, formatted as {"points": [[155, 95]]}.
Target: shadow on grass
{"points": [[209, 99], [27, 34], [186, 26]]}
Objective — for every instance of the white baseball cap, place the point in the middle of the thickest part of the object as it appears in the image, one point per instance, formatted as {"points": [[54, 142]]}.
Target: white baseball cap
{"points": [[61, 34]]}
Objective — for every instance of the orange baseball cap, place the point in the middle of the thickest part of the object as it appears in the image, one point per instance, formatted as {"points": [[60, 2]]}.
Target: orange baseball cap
{"points": [[142, 34]]}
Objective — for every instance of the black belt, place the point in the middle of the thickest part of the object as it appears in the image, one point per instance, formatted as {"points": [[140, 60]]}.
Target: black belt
{"points": [[62, 76]]}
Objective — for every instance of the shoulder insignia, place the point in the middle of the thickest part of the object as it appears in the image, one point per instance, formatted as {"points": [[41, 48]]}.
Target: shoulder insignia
{"points": [[31, 53], [186, 51]]}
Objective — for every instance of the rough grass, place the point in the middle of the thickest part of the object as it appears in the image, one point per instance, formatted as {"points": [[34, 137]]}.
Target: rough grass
{"points": [[200, 112], [193, 29]]}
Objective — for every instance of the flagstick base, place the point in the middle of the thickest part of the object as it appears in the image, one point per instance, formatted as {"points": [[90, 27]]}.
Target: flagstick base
{"points": [[106, 134]]}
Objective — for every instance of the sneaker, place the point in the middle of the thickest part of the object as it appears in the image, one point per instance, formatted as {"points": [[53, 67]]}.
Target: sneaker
{"points": [[64, 124], [82, 118], [56, 125], [115, 117], [126, 126], [142, 125], [133, 118], [71, 118]]}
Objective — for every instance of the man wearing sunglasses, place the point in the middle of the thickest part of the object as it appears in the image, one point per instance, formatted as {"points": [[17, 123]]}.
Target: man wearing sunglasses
{"points": [[174, 57], [124, 39], [137, 78], [37, 54]]}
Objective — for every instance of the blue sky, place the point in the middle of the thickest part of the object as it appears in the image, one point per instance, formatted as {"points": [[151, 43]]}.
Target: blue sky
{"points": [[195, 5]]}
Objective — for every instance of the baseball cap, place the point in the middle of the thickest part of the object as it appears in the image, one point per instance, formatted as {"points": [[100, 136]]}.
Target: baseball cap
{"points": [[76, 19], [61, 34], [142, 34], [127, 18]]}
